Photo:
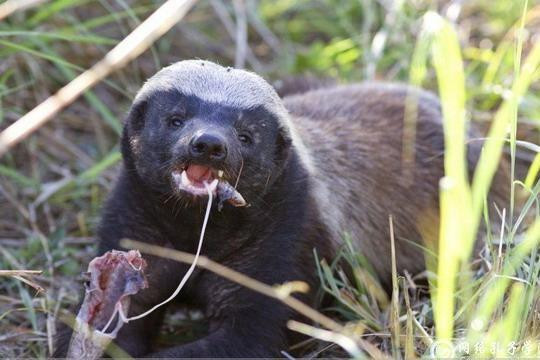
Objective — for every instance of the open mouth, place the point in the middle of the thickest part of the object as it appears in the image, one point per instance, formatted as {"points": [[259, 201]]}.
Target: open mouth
{"points": [[192, 179]]}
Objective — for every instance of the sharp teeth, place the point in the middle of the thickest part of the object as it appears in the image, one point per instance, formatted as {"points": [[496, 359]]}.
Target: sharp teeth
{"points": [[220, 173], [185, 179], [213, 185]]}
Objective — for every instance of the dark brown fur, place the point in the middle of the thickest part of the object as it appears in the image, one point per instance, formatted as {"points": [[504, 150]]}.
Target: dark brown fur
{"points": [[355, 136]]}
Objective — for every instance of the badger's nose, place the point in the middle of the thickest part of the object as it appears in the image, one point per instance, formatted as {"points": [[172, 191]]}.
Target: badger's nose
{"points": [[207, 147]]}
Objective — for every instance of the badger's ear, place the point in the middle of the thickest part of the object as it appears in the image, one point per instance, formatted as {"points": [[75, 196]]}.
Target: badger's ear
{"points": [[136, 117], [133, 125], [283, 145]]}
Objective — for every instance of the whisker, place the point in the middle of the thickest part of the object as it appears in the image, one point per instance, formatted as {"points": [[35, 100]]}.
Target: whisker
{"points": [[239, 173], [167, 199], [267, 181], [229, 173]]}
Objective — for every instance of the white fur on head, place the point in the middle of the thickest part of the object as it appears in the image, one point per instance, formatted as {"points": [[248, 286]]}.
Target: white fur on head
{"points": [[227, 86]]}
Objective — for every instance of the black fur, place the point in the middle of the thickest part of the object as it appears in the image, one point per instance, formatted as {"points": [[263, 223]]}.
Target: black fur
{"points": [[263, 241]]}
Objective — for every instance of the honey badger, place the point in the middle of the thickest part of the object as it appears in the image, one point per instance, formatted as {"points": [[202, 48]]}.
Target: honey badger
{"points": [[312, 166]]}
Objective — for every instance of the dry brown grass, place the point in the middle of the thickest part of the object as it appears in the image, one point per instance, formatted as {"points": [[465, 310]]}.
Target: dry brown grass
{"points": [[52, 185]]}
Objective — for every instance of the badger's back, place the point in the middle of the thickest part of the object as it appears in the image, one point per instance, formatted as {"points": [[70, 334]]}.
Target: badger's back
{"points": [[368, 165]]}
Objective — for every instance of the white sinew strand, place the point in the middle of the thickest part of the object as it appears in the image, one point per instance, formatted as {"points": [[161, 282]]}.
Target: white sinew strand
{"points": [[192, 267]]}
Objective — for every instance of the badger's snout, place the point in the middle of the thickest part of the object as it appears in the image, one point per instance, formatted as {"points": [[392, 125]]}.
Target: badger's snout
{"points": [[208, 148], [204, 161]]}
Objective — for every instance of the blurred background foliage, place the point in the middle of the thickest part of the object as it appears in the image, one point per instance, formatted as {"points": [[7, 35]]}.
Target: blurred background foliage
{"points": [[52, 185]]}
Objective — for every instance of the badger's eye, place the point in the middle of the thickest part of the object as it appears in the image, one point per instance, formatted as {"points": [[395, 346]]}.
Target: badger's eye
{"points": [[245, 139], [176, 121]]}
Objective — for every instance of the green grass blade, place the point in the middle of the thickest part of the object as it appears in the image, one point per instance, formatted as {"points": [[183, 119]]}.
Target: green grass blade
{"points": [[92, 173], [514, 119], [532, 174], [22, 180], [495, 294], [76, 38], [109, 118], [52, 8], [39, 54], [491, 154], [455, 240]]}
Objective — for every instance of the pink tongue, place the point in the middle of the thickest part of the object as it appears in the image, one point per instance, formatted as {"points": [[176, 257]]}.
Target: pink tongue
{"points": [[198, 173]]}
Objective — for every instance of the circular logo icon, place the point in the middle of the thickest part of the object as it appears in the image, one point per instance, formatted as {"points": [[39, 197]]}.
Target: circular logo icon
{"points": [[441, 349]]}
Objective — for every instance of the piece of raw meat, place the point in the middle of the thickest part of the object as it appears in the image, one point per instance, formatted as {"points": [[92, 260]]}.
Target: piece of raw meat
{"points": [[114, 276]]}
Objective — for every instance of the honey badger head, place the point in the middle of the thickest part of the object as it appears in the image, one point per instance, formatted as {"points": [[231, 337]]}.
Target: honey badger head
{"points": [[196, 121]]}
